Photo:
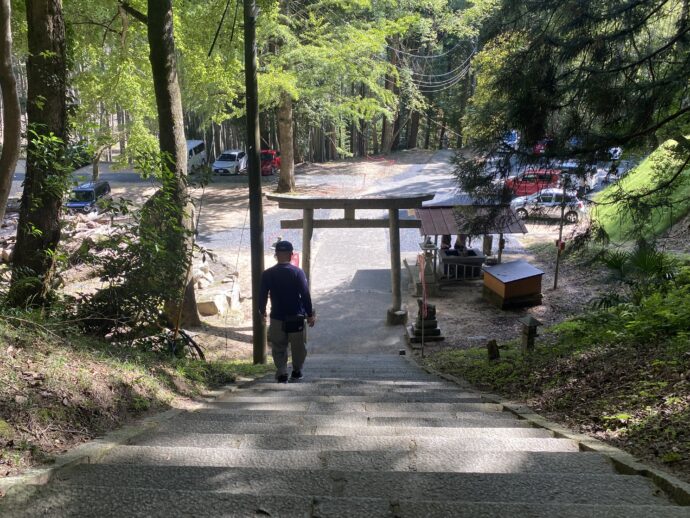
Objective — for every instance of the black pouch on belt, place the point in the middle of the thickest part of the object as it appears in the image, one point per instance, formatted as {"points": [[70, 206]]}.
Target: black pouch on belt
{"points": [[293, 324]]}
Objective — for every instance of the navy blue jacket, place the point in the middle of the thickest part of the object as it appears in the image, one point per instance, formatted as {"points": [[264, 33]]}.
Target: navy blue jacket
{"points": [[287, 286]]}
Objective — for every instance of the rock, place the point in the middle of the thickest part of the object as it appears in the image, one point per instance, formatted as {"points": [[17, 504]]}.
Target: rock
{"points": [[21, 400], [7, 254], [204, 267], [233, 296], [203, 283], [212, 304], [91, 224]]}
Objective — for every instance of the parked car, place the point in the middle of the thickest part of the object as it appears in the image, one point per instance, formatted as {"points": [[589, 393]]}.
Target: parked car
{"points": [[511, 139], [270, 161], [615, 153], [85, 197], [196, 155], [542, 146], [231, 161], [579, 177], [547, 204], [533, 180]]}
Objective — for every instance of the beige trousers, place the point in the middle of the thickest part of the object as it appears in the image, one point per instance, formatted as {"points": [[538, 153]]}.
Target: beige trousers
{"points": [[280, 340]]}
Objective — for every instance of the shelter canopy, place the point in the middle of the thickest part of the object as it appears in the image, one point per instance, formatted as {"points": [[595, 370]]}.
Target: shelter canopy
{"points": [[469, 219]]}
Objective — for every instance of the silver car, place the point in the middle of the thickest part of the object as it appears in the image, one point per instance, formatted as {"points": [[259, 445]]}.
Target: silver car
{"points": [[547, 204], [230, 161]]}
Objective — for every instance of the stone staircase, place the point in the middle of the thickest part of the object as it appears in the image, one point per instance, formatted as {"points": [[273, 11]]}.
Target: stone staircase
{"points": [[360, 436]]}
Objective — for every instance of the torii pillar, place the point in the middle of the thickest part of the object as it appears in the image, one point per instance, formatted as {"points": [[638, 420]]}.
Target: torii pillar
{"points": [[396, 314]]}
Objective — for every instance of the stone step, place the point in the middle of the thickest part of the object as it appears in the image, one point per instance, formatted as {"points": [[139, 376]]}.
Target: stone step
{"points": [[389, 408], [365, 398], [235, 427], [472, 487], [353, 443], [350, 383], [114, 502], [456, 419], [275, 389], [276, 413], [418, 461]]}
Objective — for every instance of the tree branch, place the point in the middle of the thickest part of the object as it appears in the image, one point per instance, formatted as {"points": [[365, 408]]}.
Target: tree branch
{"points": [[134, 12]]}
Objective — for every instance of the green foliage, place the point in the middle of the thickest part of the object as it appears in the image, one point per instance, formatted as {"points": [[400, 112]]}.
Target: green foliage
{"points": [[625, 219], [620, 372], [140, 264]]}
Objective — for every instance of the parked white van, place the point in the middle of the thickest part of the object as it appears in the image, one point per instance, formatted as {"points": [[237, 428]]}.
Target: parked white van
{"points": [[196, 155]]}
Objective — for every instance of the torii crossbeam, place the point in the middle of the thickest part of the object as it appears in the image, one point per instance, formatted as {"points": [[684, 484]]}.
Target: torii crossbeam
{"points": [[392, 203]]}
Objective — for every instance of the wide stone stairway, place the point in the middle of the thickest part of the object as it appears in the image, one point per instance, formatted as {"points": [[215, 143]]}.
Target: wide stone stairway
{"points": [[367, 435]]}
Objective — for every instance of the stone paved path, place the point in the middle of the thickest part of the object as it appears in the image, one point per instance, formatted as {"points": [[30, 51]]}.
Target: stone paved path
{"points": [[366, 434]]}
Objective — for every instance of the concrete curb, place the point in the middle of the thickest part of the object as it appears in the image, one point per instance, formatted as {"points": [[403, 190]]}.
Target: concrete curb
{"points": [[623, 462], [21, 487]]}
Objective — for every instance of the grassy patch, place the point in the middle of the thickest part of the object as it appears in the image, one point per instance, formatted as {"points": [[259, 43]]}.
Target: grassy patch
{"points": [[619, 223], [621, 374], [57, 391]]}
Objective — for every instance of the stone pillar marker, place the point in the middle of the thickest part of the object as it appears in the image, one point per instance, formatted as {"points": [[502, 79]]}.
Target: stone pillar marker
{"points": [[425, 329]]}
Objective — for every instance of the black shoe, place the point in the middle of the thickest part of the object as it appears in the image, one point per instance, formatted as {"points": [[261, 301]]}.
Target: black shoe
{"points": [[296, 376], [283, 378]]}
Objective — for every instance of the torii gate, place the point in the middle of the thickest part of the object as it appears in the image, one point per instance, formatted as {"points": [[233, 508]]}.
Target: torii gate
{"points": [[395, 315]]}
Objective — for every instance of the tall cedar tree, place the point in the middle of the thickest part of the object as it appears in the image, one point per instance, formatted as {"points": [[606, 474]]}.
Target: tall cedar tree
{"points": [[159, 23], [38, 233], [11, 116], [172, 145]]}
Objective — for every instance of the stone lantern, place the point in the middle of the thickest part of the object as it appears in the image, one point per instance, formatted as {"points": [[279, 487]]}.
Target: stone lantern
{"points": [[529, 332]]}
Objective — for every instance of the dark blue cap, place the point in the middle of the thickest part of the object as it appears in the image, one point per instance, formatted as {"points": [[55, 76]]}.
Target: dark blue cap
{"points": [[284, 246]]}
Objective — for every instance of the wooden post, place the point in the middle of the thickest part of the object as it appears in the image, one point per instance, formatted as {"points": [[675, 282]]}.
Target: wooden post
{"points": [[395, 314], [307, 232], [501, 244]]}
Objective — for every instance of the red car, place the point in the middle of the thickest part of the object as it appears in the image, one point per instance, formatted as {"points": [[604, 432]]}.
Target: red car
{"points": [[542, 146], [270, 161], [532, 181]]}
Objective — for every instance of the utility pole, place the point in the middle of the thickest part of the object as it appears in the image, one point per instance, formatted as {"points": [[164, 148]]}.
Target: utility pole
{"points": [[256, 217], [560, 238]]}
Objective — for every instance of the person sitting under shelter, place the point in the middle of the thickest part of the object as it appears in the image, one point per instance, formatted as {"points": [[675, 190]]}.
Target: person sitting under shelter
{"points": [[445, 242]]}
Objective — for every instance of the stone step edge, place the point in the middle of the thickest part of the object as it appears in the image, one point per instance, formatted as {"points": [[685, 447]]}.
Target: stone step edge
{"points": [[623, 462], [91, 452], [393, 504]]}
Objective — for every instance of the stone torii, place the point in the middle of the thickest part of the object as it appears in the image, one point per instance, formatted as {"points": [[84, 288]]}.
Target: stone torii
{"points": [[392, 203]]}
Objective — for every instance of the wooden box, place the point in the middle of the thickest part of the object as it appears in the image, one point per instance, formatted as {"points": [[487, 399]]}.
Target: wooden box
{"points": [[513, 284]]}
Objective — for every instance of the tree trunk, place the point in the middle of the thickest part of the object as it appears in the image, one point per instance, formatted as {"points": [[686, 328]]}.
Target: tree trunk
{"points": [[38, 233], [429, 122], [298, 154], [11, 115], [413, 132], [121, 128], [375, 137], [217, 142], [174, 148], [387, 132], [286, 181]]}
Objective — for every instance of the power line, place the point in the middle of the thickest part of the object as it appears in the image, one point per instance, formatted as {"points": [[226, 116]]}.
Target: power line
{"points": [[449, 72], [429, 86], [422, 56]]}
